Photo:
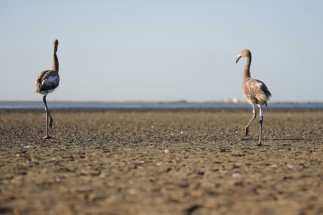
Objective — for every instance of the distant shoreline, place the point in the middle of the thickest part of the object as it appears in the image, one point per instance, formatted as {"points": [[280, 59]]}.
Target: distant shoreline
{"points": [[161, 102], [162, 105]]}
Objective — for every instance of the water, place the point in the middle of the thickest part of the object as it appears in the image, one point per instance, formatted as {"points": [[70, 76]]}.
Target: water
{"points": [[143, 105]]}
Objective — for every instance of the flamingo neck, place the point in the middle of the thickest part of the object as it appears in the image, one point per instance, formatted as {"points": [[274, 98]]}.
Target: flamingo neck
{"points": [[55, 60], [246, 74]]}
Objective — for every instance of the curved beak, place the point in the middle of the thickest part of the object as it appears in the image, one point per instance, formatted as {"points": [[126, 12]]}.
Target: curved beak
{"points": [[238, 58]]}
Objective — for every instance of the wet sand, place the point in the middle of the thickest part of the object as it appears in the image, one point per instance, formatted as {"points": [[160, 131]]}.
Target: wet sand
{"points": [[161, 162]]}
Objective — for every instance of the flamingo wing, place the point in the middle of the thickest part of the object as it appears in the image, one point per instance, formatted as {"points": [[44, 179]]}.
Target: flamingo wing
{"points": [[47, 81]]}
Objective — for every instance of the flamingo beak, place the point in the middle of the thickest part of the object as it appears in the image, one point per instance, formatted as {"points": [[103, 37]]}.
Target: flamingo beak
{"points": [[238, 58]]}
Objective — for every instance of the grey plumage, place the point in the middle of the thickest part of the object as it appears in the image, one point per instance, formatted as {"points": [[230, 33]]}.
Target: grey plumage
{"points": [[47, 82], [254, 91]]}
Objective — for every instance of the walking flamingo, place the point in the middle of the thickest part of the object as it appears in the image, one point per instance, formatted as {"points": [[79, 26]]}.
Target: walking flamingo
{"points": [[47, 82], [254, 91]]}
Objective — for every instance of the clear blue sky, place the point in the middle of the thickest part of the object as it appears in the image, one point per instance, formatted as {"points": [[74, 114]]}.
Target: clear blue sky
{"points": [[121, 50]]}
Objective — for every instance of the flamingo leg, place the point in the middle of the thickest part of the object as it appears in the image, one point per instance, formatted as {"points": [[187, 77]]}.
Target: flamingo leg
{"points": [[260, 124], [49, 119], [253, 117]]}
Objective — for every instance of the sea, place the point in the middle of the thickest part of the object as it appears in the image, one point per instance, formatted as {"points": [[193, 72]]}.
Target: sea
{"points": [[65, 105]]}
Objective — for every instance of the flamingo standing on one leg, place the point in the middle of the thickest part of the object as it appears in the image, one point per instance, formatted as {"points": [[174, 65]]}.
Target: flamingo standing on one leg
{"points": [[47, 82], [255, 92]]}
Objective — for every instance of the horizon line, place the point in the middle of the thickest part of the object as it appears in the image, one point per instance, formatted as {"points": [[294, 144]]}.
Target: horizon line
{"points": [[232, 101]]}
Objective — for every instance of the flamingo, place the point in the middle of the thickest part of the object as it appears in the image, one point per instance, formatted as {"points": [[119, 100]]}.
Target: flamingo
{"points": [[47, 82], [254, 91]]}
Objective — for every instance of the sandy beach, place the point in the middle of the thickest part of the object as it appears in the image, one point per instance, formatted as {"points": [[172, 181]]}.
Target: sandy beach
{"points": [[161, 162]]}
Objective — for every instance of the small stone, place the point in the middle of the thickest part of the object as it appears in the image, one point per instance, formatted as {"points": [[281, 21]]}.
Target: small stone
{"points": [[27, 147], [236, 175], [290, 166], [57, 179], [274, 166]]}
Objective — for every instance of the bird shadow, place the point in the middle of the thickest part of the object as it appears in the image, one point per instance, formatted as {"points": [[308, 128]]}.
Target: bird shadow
{"points": [[279, 139]]}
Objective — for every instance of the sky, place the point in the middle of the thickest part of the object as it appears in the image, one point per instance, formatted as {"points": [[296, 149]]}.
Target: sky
{"points": [[149, 50]]}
